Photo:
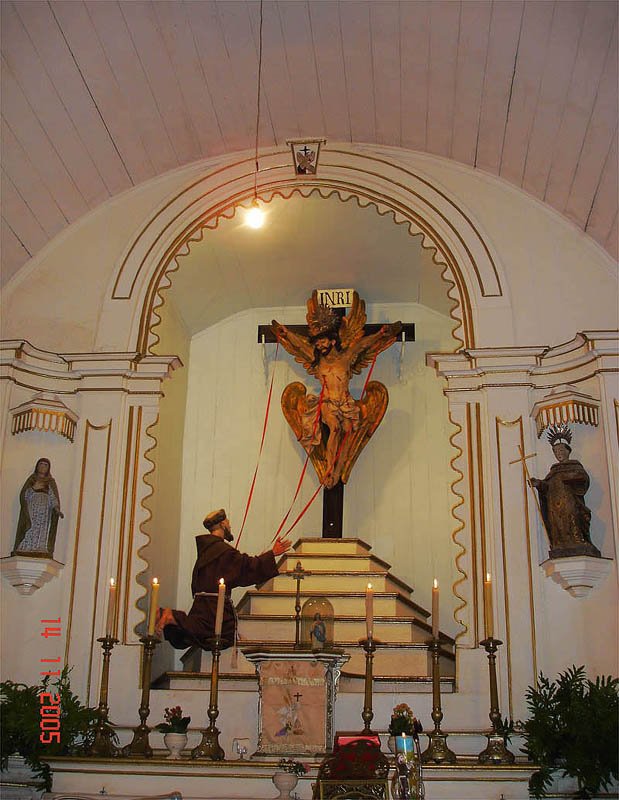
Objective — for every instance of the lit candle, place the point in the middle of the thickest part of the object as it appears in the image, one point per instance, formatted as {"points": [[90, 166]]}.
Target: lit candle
{"points": [[488, 615], [219, 617], [369, 610], [154, 594], [435, 609], [111, 608]]}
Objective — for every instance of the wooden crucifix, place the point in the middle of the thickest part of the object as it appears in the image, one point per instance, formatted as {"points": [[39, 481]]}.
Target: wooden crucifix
{"points": [[298, 574], [333, 427]]}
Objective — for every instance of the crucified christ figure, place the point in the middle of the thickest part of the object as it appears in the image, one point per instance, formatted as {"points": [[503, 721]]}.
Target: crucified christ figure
{"points": [[333, 427]]}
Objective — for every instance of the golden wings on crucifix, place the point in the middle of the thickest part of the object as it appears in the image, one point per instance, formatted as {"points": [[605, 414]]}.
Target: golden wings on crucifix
{"points": [[333, 427]]}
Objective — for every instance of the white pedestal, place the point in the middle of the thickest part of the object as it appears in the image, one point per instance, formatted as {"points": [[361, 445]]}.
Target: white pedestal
{"points": [[29, 573], [577, 574]]}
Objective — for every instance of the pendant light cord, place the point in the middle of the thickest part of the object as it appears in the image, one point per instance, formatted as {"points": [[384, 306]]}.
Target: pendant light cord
{"points": [[258, 103]]}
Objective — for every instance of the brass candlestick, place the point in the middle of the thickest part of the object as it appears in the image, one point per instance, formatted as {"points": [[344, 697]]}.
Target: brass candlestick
{"points": [[103, 745], [437, 750], [139, 745], [369, 645], [496, 752], [209, 746]]}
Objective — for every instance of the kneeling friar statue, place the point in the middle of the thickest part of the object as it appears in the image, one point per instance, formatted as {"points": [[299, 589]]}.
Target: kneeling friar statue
{"points": [[216, 559]]}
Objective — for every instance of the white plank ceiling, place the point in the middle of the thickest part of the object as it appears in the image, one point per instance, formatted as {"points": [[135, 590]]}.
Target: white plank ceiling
{"points": [[99, 96]]}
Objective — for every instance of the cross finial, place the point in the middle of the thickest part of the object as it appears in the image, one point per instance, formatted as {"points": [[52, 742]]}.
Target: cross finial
{"points": [[298, 572]]}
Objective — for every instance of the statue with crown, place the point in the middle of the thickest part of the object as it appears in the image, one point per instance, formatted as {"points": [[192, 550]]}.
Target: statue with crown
{"points": [[333, 427], [561, 497]]}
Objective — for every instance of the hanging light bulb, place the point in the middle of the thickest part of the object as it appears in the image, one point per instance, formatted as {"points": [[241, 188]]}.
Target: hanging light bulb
{"points": [[255, 216]]}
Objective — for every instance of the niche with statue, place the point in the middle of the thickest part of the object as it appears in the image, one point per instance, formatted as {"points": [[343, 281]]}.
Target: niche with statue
{"points": [[317, 624]]}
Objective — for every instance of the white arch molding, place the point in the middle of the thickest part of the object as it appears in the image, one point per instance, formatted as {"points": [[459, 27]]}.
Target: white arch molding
{"points": [[462, 251]]}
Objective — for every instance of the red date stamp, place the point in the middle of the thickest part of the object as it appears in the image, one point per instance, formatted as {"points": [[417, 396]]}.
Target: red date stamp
{"points": [[49, 722]]}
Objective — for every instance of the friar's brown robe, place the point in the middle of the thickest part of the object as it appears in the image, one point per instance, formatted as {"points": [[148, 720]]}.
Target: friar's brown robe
{"points": [[216, 559]]}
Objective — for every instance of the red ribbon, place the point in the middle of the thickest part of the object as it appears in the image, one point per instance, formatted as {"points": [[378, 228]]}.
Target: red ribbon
{"points": [[264, 430], [303, 471]]}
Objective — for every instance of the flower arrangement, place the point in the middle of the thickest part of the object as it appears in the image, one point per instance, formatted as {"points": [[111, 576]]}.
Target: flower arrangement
{"points": [[403, 721], [175, 722], [290, 765]]}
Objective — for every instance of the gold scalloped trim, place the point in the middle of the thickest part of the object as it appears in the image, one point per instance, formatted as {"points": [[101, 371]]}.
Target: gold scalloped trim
{"points": [[142, 526], [460, 525], [344, 195]]}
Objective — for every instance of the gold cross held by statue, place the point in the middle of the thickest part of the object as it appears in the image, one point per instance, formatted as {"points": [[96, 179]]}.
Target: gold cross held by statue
{"points": [[527, 479]]}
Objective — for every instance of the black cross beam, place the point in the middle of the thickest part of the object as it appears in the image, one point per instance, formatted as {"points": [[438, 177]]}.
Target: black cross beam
{"points": [[408, 329], [333, 499]]}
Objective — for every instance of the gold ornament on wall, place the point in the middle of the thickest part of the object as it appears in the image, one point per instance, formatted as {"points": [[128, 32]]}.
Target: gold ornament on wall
{"points": [[44, 413], [565, 405]]}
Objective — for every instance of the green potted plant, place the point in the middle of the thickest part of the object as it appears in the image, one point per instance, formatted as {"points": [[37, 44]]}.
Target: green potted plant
{"points": [[21, 731], [287, 776], [175, 731], [573, 728]]}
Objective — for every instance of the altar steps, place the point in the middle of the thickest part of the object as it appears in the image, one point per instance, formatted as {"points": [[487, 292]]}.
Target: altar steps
{"points": [[393, 661], [386, 603], [339, 570]]}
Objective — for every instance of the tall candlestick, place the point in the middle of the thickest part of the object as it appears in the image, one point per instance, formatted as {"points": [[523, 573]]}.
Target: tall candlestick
{"points": [[111, 609], [219, 617], [435, 609], [154, 594], [369, 610], [488, 611]]}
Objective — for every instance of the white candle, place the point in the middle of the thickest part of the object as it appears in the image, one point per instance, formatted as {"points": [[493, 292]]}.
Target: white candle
{"points": [[111, 609], [154, 594], [488, 611], [435, 609], [219, 617], [369, 610]]}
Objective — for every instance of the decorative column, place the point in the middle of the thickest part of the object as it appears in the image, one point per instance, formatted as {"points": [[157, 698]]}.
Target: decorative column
{"points": [[497, 399]]}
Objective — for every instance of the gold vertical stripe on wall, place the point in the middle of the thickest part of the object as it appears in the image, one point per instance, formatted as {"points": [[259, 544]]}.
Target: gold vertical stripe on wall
{"points": [[78, 524], [529, 557], [132, 507], [474, 570], [508, 650], [482, 496], [93, 633], [123, 514]]}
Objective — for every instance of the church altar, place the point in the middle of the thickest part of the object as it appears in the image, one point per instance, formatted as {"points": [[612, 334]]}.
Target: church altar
{"points": [[165, 422], [248, 780]]}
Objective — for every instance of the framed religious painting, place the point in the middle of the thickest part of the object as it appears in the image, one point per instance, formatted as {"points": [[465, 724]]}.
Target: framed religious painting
{"points": [[296, 701]]}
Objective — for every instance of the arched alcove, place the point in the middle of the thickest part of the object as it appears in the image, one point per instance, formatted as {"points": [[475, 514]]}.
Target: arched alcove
{"points": [[226, 281]]}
